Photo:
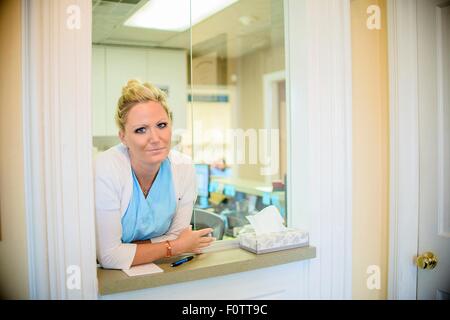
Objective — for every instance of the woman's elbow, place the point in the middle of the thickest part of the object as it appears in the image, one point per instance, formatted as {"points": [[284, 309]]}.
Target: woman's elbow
{"points": [[116, 258], [107, 261]]}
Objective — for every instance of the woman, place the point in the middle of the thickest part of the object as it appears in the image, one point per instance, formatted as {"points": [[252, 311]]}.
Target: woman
{"points": [[144, 192]]}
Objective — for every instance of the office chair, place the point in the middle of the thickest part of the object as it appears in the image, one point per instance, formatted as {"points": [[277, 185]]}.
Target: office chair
{"points": [[205, 219]]}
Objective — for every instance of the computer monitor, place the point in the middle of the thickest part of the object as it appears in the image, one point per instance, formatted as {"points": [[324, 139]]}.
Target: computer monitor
{"points": [[202, 172]]}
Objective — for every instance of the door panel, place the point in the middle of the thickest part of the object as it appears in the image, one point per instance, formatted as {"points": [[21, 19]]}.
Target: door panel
{"points": [[434, 127]]}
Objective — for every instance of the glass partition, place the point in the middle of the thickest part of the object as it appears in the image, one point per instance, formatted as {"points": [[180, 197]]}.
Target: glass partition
{"points": [[238, 110], [225, 81]]}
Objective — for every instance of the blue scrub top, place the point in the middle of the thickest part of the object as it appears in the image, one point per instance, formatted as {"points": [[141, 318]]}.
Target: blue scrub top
{"points": [[150, 217]]}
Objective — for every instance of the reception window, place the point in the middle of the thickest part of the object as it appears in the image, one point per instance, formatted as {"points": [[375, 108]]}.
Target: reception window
{"points": [[223, 69]]}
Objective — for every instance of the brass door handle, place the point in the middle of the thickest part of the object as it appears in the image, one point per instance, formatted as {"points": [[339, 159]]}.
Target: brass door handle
{"points": [[427, 261]]}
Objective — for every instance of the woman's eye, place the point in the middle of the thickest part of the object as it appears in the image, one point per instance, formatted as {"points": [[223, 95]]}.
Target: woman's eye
{"points": [[162, 125], [140, 130]]}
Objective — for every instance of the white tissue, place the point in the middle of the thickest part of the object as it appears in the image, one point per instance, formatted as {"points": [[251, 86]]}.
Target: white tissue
{"points": [[267, 220]]}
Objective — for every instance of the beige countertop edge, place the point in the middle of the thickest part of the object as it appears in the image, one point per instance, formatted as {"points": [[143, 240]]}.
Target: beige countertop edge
{"points": [[116, 281]]}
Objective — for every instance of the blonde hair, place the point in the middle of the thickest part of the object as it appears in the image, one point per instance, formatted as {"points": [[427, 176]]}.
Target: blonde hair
{"points": [[136, 92]]}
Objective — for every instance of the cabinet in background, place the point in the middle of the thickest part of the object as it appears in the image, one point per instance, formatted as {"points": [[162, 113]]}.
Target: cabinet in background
{"points": [[113, 66]]}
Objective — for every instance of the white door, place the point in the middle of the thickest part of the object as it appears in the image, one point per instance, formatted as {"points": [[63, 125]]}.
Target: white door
{"points": [[433, 27]]}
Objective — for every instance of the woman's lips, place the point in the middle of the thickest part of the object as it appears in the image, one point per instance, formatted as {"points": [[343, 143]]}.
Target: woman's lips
{"points": [[155, 150]]}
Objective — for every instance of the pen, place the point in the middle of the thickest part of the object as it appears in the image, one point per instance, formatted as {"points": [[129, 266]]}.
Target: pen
{"points": [[186, 259]]}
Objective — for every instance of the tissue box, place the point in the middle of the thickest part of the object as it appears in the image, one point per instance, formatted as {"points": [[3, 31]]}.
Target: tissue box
{"points": [[274, 241]]}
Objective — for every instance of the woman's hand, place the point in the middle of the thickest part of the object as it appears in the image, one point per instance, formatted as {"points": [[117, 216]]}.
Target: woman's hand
{"points": [[193, 241]]}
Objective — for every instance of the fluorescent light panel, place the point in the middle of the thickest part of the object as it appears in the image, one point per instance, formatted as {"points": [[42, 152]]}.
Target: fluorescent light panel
{"points": [[173, 15]]}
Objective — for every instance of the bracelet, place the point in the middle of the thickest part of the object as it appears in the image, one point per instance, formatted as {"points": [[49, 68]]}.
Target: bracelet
{"points": [[168, 249]]}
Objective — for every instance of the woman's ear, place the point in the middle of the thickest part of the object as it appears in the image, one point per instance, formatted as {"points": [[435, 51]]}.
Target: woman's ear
{"points": [[122, 137]]}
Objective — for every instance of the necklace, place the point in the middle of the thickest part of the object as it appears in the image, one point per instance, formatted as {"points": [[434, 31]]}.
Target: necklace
{"points": [[145, 190]]}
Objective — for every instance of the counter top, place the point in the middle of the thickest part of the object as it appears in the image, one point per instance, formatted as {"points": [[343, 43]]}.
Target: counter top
{"points": [[203, 266]]}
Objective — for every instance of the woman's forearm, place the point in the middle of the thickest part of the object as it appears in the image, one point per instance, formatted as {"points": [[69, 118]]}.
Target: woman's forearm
{"points": [[188, 241], [147, 252]]}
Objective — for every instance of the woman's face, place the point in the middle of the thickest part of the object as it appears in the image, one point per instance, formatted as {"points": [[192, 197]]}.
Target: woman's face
{"points": [[148, 133]]}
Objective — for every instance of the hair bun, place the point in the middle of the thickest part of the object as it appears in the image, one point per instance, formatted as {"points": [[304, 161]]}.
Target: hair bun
{"points": [[136, 92], [131, 87]]}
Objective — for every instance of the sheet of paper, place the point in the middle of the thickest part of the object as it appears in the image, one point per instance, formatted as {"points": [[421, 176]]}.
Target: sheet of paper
{"points": [[143, 270]]}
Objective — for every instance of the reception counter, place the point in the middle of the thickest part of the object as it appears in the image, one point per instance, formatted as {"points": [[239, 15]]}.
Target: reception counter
{"points": [[203, 266]]}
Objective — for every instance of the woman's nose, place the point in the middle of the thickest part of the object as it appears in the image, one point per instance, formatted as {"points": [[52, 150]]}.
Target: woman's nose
{"points": [[153, 136]]}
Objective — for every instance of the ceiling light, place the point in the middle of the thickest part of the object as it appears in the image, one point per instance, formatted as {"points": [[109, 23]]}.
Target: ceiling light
{"points": [[173, 15]]}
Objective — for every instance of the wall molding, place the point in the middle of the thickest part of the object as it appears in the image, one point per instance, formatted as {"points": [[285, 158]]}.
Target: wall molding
{"points": [[404, 148], [271, 107], [58, 144], [319, 100]]}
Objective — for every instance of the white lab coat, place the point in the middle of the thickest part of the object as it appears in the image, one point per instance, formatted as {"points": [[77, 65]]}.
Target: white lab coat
{"points": [[113, 190]]}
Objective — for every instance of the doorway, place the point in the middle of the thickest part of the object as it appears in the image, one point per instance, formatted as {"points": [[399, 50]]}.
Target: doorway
{"points": [[420, 131]]}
